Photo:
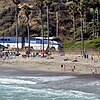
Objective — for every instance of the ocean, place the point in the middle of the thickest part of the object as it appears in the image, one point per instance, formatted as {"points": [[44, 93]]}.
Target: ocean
{"points": [[34, 85]]}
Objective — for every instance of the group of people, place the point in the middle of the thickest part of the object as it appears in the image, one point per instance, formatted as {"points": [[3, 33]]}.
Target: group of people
{"points": [[63, 68], [94, 71], [7, 54]]}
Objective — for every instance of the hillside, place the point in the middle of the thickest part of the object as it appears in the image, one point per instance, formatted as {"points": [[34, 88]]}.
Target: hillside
{"points": [[7, 20], [6, 16], [69, 20]]}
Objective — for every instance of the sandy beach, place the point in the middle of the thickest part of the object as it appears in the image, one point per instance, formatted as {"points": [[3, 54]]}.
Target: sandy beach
{"points": [[53, 63]]}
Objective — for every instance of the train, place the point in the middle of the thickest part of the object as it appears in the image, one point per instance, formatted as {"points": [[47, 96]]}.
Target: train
{"points": [[35, 42]]}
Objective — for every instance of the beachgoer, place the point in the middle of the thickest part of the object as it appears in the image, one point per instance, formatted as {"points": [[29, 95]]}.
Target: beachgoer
{"points": [[91, 57], [94, 71], [73, 68], [61, 66], [95, 60], [75, 60], [64, 67], [28, 52]]}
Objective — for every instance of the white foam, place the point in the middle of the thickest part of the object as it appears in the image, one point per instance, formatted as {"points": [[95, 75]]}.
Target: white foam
{"points": [[15, 81], [48, 78], [34, 80]]}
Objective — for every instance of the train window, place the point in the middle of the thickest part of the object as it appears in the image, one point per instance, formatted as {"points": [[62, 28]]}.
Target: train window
{"points": [[2, 39], [5, 39], [8, 39]]}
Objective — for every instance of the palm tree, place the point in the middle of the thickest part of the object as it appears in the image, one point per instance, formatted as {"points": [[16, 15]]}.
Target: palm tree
{"points": [[27, 11], [83, 7], [57, 10], [95, 5], [57, 24], [39, 4], [16, 2], [73, 11], [47, 3]]}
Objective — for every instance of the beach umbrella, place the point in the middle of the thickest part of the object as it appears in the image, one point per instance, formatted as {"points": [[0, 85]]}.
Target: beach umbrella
{"points": [[42, 52], [3, 47]]}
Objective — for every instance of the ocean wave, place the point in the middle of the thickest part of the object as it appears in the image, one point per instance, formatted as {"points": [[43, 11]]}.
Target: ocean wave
{"points": [[15, 81], [47, 78], [37, 79], [50, 94]]}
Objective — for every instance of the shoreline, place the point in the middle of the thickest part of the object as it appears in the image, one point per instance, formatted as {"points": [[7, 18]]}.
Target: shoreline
{"points": [[37, 73]]}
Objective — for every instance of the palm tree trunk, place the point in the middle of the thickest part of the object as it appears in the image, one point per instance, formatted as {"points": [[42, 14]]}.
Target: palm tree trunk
{"points": [[42, 31], [48, 26], [94, 22], [82, 38], [3, 41], [84, 23], [57, 25], [16, 9], [74, 26], [28, 32], [97, 22]]}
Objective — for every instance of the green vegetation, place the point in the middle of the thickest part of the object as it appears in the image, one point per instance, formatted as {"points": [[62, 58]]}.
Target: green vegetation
{"points": [[88, 44]]}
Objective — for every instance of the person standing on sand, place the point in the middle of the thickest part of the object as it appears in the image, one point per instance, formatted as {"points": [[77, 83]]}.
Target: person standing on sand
{"points": [[63, 67], [91, 57], [73, 68], [94, 71]]}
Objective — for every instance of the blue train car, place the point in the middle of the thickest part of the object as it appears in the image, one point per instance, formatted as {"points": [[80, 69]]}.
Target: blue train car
{"points": [[35, 42], [10, 42]]}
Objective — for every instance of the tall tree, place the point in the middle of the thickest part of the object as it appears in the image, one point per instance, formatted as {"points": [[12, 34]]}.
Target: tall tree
{"points": [[73, 11], [27, 11], [16, 2], [83, 7], [47, 3], [95, 4], [94, 25], [39, 4], [57, 10]]}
